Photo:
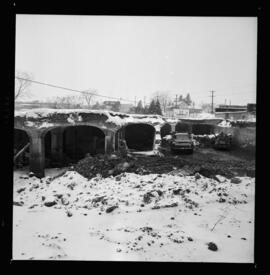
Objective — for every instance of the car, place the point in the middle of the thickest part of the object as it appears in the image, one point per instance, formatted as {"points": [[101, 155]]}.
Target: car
{"points": [[182, 142]]}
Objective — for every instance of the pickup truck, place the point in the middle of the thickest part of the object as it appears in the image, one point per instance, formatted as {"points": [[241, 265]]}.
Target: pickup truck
{"points": [[182, 142]]}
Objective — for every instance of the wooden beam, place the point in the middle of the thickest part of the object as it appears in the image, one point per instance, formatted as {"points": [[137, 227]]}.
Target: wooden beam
{"points": [[21, 151]]}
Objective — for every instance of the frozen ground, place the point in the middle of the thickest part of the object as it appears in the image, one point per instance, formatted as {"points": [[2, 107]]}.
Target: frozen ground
{"points": [[130, 217]]}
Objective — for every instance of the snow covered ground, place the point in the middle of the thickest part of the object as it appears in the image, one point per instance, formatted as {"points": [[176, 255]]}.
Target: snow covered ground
{"points": [[131, 217]]}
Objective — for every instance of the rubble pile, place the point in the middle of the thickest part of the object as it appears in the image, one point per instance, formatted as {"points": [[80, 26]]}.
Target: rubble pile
{"points": [[104, 165], [181, 211], [127, 192], [116, 164]]}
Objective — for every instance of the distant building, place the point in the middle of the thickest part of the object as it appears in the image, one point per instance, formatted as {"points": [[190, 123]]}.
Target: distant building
{"points": [[231, 108], [236, 112], [194, 112], [237, 115], [124, 108], [181, 110], [111, 105]]}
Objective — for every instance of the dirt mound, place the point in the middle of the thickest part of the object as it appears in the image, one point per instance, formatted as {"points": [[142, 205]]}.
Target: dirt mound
{"points": [[116, 164], [104, 165]]}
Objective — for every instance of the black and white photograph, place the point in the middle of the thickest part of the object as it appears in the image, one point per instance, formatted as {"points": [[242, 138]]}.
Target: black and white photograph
{"points": [[134, 138]]}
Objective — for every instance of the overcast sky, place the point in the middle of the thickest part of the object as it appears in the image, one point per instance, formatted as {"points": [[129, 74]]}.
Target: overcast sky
{"points": [[126, 56]]}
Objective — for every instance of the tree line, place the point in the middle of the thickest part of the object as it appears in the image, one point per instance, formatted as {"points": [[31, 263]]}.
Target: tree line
{"points": [[160, 101]]}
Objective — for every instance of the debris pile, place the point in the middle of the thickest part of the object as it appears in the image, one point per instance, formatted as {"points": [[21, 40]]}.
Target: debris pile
{"points": [[143, 212], [105, 166], [125, 192], [116, 164]]}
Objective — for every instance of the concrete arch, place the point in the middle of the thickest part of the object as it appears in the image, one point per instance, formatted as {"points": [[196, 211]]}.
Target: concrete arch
{"points": [[28, 132], [65, 125], [21, 138], [64, 145], [140, 136]]}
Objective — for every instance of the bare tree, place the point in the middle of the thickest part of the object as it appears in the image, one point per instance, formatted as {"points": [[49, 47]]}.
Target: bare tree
{"points": [[22, 84], [88, 96], [69, 102], [65, 102], [163, 97]]}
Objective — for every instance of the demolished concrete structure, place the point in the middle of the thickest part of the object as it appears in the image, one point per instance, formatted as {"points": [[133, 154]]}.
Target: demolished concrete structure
{"points": [[59, 137], [73, 133]]}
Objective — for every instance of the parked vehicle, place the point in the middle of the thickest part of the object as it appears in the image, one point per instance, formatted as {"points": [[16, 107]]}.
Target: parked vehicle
{"points": [[223, 141], [182, 142]]}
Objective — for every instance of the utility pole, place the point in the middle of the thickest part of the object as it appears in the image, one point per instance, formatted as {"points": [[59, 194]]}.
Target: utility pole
{"points": [[212, 103], [176, 101]]}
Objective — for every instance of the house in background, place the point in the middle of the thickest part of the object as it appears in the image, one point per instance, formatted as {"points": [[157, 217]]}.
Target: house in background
{"points": [[182, 110], [194, 112]]}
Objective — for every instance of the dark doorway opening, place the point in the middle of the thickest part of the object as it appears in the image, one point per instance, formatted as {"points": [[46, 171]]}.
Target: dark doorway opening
{"points": [[165, 130], [81, 140], [203, 129], [140, 137], [76, 142], [181, 127], [21, 148]]}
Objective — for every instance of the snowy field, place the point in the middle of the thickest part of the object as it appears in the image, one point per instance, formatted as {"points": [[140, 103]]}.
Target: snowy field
{"points": [[131, 217]]}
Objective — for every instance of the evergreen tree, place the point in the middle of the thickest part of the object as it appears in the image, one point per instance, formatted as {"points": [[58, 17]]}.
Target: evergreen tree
{"points": [[188, 99], [139, 109], [145, 110], [158, 110], [180, 98], [152, 107]]}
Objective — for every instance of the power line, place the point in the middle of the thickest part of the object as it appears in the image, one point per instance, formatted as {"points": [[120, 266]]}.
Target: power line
{"points": [[68, 89]]}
